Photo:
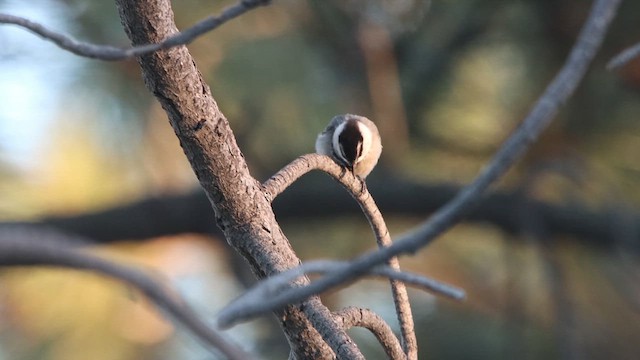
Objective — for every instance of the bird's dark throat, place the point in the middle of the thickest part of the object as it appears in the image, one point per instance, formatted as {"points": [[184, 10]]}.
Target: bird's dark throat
{"points": [[350, 140]]}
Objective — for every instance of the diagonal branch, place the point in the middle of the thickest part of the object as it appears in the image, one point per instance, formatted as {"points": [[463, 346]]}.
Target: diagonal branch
{"points": [[358, 191], [270, 293], [353, 316], [556, 94], [112, 53], [27, 248], [241, 210]]}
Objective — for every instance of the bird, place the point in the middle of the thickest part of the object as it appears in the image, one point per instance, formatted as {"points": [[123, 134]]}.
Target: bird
{"points": [[353, 141]]}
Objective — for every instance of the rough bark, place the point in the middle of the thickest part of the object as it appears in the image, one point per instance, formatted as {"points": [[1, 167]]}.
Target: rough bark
{"points": [[241, 209]]}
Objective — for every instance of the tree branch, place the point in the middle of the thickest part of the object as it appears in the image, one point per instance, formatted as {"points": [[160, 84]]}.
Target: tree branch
{"points": [[25, 247], [112, 53], [356, 187], [241, 209], [353, 316], [558, 91], [272, 292]]}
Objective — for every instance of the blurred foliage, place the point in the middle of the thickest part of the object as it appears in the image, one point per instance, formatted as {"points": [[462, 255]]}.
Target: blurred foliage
{"points": [[446, 81]]}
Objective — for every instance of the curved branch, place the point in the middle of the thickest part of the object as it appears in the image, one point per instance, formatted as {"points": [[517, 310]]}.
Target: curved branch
{"points": [[281, 180], [112, 53], [558, 91], [271, 293], [624, 57], [365, 318], [356, 187], [28, 249]]}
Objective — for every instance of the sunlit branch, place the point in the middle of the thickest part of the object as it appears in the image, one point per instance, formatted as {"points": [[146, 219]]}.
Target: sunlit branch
{"points": [[29, 248], [113, 53]]}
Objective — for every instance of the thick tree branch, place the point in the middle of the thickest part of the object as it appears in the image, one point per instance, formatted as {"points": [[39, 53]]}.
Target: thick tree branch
{"points": [[33, 247], [365, 318], [241, 209], [558, 91], [356, 187], [112, 53], [272, 292]]}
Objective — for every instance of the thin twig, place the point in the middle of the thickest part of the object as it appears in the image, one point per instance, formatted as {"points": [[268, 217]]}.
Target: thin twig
{"points": [[365, 318], [624, 57], [359, 192], [113, 53], [29, 249], [276, 289], [557, 93]]}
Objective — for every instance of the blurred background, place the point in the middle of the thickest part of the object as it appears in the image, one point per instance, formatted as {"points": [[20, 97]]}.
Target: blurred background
{"points": [[550, 259]]}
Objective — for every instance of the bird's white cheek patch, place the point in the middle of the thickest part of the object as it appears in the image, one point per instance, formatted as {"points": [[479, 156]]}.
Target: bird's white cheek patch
{"points": [[366, 141]]}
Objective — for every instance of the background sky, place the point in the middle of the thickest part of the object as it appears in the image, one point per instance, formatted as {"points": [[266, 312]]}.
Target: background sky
{"points": [[34, 75]]}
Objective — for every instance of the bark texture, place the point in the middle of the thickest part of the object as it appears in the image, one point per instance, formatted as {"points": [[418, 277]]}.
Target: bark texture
{"points": [[241, 209]]}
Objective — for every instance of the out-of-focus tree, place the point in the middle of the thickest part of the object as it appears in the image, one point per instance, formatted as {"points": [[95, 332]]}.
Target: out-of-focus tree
{"points": [[456, 77]]}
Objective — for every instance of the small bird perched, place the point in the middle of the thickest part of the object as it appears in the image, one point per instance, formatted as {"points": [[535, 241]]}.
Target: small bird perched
{"points": [[353, 141]]}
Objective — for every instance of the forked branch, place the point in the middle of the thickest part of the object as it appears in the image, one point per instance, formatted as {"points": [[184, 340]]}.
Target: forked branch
{"points": [[241, 210], [356, 187]]}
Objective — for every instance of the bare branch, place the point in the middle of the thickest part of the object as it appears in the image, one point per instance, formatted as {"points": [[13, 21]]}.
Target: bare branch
{"points": [[112, 53], [365, 318], [241, 210], [359, 192], [276, 291], [27, 248], [281, 180], [624, 57], [557, 93]]}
